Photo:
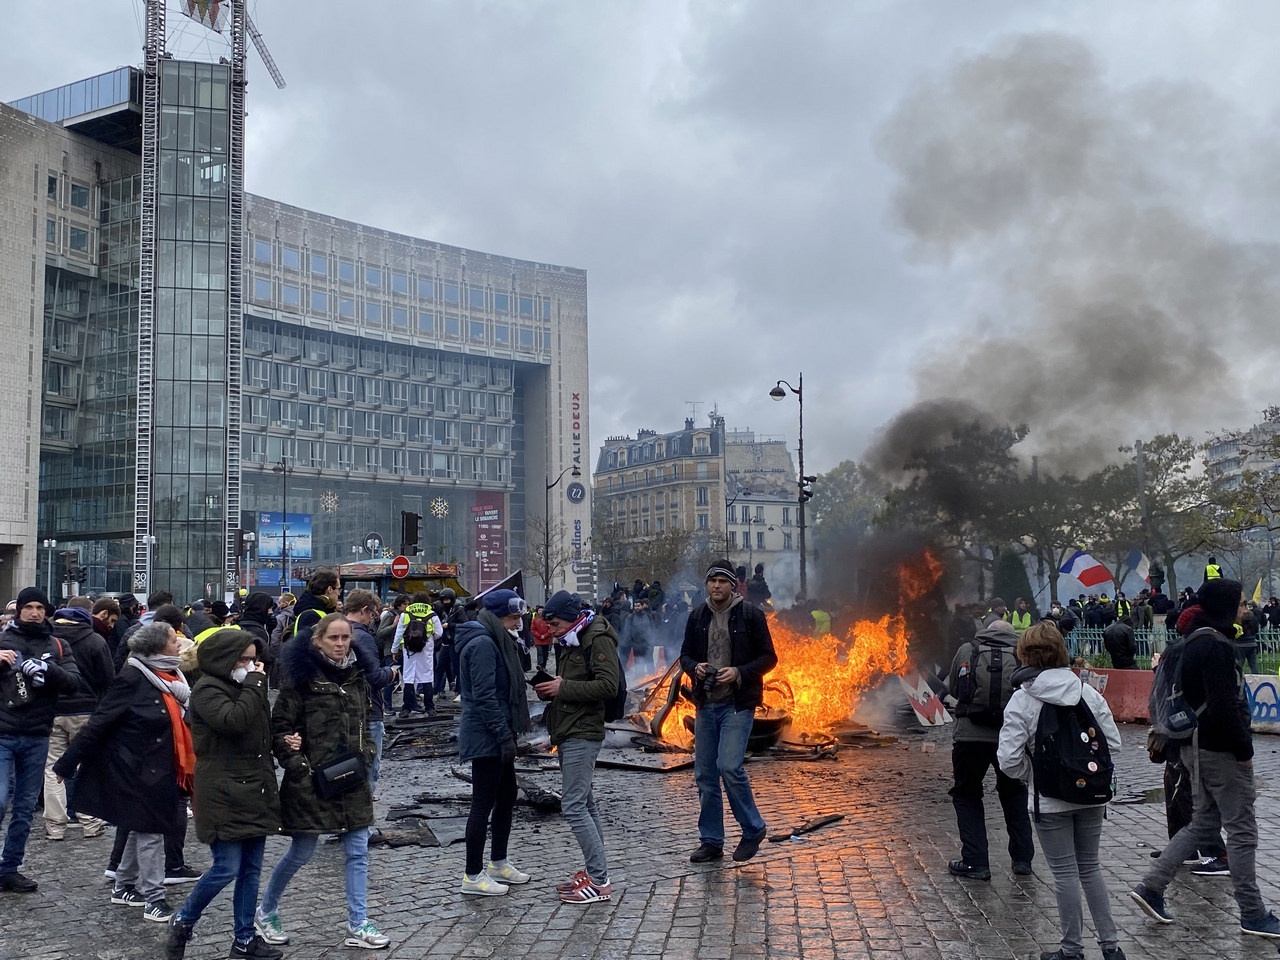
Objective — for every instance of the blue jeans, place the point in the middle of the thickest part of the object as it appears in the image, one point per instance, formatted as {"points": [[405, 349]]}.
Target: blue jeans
{"points": [[238, 860], [719, 747], [1069, 842], [22, 762], [377, 732], [355, 846], [578, 802]]}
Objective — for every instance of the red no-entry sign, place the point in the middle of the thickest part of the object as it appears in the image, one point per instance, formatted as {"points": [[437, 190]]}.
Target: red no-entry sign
{"points": [[400, 567]]}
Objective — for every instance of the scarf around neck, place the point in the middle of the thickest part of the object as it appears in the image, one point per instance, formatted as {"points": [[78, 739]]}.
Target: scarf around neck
{"points": [[162, 673], [570, 638]]}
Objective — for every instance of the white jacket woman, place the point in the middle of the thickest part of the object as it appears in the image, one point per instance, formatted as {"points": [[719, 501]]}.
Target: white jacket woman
{"points": [[1069, 833]]}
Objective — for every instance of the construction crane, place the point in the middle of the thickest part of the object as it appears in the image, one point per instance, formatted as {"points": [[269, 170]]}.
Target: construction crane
{"points": [[261, 46]]}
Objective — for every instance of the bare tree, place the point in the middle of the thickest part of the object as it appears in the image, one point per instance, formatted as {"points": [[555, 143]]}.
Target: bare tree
{"points": [[547, 550]]}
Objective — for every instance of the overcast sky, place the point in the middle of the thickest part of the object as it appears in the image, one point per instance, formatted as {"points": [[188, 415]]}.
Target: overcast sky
{"points": [[762, 188]]}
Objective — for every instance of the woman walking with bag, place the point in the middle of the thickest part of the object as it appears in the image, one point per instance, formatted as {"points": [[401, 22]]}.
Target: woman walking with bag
{"points": [[1069, 833], [236, 803], [320, 735]]}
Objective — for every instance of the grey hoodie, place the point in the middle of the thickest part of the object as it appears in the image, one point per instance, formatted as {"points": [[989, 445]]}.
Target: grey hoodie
{"points": [[1059, 686]]}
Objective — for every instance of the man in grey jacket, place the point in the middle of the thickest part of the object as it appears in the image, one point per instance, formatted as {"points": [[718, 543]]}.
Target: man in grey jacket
{"points": [[981, 681]]}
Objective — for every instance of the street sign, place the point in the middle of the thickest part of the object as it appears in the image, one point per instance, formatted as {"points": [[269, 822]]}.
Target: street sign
{"points": [[400, 567]]}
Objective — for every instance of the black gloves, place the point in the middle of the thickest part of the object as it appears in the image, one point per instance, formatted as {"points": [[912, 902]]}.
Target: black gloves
{"points": [[508, 750]]}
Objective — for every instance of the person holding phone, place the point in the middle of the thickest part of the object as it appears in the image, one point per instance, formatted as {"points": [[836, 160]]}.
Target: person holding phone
{"points": [[495, 711], [237, 805]]}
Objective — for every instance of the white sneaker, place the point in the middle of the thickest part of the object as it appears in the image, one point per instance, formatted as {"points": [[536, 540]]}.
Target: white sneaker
{"points": [[507, 873], [368, 936], [483, 886]]}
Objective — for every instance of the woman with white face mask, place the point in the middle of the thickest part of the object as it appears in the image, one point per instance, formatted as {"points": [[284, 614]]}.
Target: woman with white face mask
{"points": [[236, 802]]}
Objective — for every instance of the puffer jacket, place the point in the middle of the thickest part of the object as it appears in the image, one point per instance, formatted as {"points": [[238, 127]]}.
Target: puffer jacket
{"points": [[589, 676], [74, 627], [1061, 687], [495, 706], [235, 797], [329, 706]]}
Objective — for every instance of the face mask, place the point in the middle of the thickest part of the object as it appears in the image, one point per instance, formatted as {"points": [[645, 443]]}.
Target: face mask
{"points": [[514, 633], [239, 673]]}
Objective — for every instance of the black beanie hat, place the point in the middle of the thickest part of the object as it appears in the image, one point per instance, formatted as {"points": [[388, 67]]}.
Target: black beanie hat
{"points": [[1220, 600], [34, 595], [722, 568]]}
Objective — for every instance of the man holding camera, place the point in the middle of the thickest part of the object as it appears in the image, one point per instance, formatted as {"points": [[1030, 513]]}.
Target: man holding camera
{"points": [[34, 669], [727, 650]]}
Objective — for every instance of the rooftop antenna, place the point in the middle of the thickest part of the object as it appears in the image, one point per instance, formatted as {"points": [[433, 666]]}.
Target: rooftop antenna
{"points": [[693, 408]]}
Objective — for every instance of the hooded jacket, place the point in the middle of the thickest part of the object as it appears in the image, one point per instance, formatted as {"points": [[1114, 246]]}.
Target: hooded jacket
{"points": [[495, 704], [257, 619], [329, 705], [750, 650], [1061, 687], [27, 710], [307, 612], [589, 676], [1212, 676], [235, 794], [997, 634], [92, 654]]}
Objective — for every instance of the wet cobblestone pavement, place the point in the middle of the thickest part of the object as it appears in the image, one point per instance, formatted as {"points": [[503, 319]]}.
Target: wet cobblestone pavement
{"points": [[872, 886]]}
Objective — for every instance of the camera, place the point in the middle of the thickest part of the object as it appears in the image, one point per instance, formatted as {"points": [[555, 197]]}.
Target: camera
{"points": [[709, 681]]}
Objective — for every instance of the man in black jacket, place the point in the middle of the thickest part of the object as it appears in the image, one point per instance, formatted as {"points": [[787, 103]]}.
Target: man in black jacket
{"points": [[1223, 753], [35, 669], [92, 655], [727, 651], [1120, 644]]}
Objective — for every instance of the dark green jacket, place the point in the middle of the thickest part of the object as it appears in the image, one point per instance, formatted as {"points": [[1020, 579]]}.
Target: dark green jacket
{"points": [[329, 706], [589, 676], [235, 794]]}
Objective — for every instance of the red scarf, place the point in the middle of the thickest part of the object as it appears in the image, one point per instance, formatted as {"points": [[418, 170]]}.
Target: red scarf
{"points": [[184, 751]]}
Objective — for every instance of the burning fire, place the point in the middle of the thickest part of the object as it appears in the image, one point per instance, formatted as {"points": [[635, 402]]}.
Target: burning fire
{"points": [[818, 680]]}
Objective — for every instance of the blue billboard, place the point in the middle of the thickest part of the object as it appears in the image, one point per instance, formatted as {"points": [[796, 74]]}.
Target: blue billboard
{"points": [[271, 536]]}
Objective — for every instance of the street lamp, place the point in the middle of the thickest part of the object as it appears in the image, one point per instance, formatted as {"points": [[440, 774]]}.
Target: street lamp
{"points": [[250, 538], [150, 541], [778, 393], [284, 470], [50, 545], [546, 529]]}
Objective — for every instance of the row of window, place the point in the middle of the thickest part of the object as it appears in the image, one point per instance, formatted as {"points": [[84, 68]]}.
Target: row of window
{"points": [[760, 544], [698, 445], [65, 237], [363, 458], [745, 512], [318, 418], [321, 267], [702, 471], [77, 194]]}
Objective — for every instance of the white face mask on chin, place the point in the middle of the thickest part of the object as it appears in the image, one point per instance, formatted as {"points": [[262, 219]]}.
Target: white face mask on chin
{"points": [[239, 673]]}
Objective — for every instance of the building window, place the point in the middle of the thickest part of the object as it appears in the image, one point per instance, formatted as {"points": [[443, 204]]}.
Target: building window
{"points": [[258, 373], [291, 257], [346, 308], [288, 374], [51, 231], [53, 187], [426, 289], [700, 444], [759, 514], [502, 335], [262, 289], [786, 541], [262, 251], [502, 302], [451, 291], [79, 196], [733, 540], [526, 306], [257, 410], [399, 283], [319, 303], [760, 540], [452, 326], [477, 330], [786, 516], [346, 271], [79, 240], [344, 386], [701, 470], [703, 498], [373, 277], [319, 265], [426, 322], [475, 298], [290, 295], [704, 522]]}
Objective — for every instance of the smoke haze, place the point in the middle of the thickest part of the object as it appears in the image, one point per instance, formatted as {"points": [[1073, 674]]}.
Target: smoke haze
{"points": [[1120, 289]]}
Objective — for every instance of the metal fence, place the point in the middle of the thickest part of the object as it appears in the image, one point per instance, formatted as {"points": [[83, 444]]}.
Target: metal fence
{"points": [[1087, 643]]}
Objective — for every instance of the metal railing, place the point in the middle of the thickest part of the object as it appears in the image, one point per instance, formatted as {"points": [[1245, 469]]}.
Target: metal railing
{"points": [[1087, 643]]}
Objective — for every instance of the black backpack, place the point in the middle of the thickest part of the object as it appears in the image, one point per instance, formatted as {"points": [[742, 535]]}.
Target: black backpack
{"points": [[1071, 758], [415, 634], [1167, 708], [983, 687]]}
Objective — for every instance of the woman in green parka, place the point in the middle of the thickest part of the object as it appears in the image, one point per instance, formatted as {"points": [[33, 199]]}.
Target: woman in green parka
{"points": [[321, 716], [236, 802]]}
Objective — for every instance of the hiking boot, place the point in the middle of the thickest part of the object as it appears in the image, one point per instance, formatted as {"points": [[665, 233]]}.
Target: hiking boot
{"points": [[706, 853], [746, 848], [573, 883], [958, 868], [255, 949], [506, 873], [128, 897], [269, 927], [1022, 868], [482, 885], [175, 948], [1212, 867], [158, 912], [1152, 903], [589, 892], [367, 936], [1266, 925], [17, 883]]}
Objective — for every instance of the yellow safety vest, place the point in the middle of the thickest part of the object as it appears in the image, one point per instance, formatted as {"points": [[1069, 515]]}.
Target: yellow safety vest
{"points": [[1212, 571], [1020, 621], [204, 635]]}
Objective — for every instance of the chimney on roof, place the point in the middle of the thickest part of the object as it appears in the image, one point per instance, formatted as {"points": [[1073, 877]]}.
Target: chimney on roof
{"points": [[688, 423]]}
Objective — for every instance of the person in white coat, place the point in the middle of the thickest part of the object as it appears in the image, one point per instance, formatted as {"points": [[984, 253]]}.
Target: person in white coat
{"points": [[418, 671], [1069, 833]]}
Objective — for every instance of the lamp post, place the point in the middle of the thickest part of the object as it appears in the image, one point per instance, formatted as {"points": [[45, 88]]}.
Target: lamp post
{"points": [[50, 545], [546, 529], [284, 470], [778, 393], [151, 545], [249, 539]]}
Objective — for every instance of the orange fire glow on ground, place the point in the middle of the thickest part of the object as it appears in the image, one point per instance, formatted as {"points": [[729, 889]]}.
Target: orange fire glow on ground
{"points": [[819, 680]]}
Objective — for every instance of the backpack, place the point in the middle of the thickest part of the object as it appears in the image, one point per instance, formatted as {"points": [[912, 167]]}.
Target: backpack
{"points": [[615, 708], [1071, 758], [1172, 717], [984, 684], [416, 632]]}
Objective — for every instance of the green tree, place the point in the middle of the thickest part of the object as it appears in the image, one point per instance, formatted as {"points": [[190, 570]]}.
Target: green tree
{"points": [[846, 502], [1011, 581]]}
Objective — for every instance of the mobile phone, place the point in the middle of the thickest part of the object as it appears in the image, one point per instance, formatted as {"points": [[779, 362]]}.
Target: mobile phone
{"points": [[540, 677]]}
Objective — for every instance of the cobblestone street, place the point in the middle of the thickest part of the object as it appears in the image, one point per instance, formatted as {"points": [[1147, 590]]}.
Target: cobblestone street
{"points": [[872, 886]]}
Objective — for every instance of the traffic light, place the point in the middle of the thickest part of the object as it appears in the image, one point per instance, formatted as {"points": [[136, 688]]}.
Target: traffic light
{"points": [[806, 493], [409, 532]]}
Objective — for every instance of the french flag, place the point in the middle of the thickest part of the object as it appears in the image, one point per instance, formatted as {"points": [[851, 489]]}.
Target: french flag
{"points": [[1087, 570]]}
